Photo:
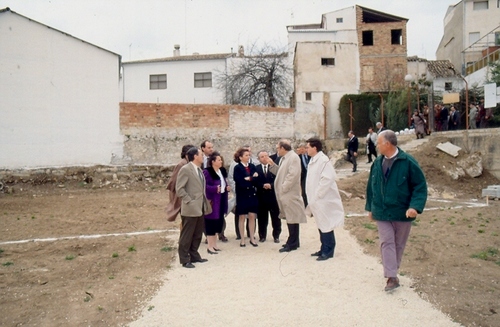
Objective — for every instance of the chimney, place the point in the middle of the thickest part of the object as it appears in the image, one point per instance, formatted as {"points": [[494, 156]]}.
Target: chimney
{"points": [[241, 51], [177, 51]]}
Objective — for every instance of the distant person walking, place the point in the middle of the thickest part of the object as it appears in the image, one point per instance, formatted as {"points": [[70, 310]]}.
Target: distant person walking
{"points": [[396, 192], [371, 144], [352, 150]]}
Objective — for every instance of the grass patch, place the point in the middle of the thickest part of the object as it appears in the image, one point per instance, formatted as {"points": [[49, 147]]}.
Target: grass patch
{"points": [[167, 249], [490, 254], [8, 263], [70, 257], [114, 255], [1, 251], [368, 241], [369, 226], [132, 248]]}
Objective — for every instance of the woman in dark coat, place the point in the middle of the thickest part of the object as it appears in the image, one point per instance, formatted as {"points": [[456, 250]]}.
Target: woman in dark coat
{"points": [[246, 193], [216, 191]]}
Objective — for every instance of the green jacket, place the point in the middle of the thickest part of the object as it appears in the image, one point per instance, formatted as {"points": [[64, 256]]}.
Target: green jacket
{"points": [[405, 187]]}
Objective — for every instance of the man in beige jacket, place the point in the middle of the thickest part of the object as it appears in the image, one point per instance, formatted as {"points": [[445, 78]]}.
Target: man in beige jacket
{"points": [[190, 187], [288, 192]]}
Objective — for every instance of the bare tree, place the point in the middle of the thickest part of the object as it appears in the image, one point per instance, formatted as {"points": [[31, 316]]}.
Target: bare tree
{"points": [[263, 78]]}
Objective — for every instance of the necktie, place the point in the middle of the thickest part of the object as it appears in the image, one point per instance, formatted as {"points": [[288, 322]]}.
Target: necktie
{"points": [[200, 174], [265, 170]]}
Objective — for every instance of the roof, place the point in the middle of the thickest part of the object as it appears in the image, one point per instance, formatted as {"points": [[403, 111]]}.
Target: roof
{"points": [[416, 58], [374, 16], [7, 9], [441, 68], [186, 58]]}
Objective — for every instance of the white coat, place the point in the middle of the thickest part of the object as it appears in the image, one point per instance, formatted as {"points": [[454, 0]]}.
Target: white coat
{"points": [[323, 194]]}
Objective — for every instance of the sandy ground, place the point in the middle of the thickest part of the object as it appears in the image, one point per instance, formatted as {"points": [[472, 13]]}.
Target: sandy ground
{"points": [[260, 286]]}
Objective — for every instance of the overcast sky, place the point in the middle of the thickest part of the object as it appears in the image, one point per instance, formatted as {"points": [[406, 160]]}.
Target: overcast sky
{"points": [[145, 29]]}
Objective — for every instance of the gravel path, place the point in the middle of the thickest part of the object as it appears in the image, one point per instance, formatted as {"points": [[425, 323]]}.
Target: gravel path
{"points": [[262, 287]]}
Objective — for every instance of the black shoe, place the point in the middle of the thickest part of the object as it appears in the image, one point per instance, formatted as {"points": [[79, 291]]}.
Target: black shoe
{"points": [[323, 257], [369, 162], [201, 260], [262, 240], [211, 252], [188, 265], [242, 245], [316, 254], [254, 244], [276, 240], [223, 238], [287, 249], [216, 249], [238, 238]]}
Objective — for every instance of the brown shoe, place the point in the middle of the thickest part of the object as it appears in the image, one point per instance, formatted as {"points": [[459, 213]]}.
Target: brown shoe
{"points": [[392, 283]]}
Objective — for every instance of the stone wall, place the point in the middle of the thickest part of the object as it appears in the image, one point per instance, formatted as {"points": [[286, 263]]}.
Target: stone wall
{"points": [[155, 133]]}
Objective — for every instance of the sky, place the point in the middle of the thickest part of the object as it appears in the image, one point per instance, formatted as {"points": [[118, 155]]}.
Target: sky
{"points": [[147, 29]]}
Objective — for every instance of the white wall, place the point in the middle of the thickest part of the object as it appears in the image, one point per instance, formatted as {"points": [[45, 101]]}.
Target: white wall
{"points": [[327, 85], [180, 81], [59, 104]]}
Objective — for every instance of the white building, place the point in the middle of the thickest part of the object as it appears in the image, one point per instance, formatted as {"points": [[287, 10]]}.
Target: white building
{"points": [[351, 51], [59, 104], [471, 32], [177, 79]]}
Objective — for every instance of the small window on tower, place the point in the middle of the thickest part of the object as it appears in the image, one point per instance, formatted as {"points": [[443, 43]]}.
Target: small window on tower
{"points": [[396, 36], [341, 20], [308, 96], [327, 61]]}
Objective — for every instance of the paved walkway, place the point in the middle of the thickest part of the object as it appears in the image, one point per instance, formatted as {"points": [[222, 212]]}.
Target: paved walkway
{"points": [[262, 287]]}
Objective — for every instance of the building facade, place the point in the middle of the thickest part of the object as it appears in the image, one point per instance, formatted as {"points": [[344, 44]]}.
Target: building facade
{"points": [[59, 104], [352, 50], [186, 79], [471, 32]]}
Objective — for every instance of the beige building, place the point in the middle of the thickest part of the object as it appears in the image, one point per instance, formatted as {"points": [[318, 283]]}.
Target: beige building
{"points": [[471, 33], [351, 51]]}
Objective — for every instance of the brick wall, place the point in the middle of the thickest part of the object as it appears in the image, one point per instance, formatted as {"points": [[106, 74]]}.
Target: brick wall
{"points": [[383, 65], [155, 133]]}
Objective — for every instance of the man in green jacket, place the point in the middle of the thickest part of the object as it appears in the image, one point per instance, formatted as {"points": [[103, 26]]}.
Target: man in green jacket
{"points": [[395, 194]]}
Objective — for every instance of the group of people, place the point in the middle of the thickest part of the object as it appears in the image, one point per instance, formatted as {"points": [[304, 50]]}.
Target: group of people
{"points": [[396, 193], [479, 116], [275, 187]]}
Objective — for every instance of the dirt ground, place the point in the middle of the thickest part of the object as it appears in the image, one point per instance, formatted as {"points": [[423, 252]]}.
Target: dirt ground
{"points": [[452, 254]]}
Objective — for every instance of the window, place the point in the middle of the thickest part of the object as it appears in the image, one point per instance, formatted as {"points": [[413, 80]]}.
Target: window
{"points": [[397, 37], [157, 82], [327, 61], [480, 5], [473, 37], [308, 96], [367, 38], [497, 38], [448, 86], [202, 79], [341, 20]]}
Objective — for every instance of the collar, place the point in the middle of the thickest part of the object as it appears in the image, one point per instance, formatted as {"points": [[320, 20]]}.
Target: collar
{"points": [[395, 154]]}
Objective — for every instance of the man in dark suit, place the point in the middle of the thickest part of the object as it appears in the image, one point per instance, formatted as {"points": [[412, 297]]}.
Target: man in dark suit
{"points": [[276, 158], [190, 187], [268, 205], [304, 161], [352, 150]]}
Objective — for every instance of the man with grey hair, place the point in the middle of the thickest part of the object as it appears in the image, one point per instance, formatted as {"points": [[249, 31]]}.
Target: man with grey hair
{"points": [[288, 192], [396, 192]]}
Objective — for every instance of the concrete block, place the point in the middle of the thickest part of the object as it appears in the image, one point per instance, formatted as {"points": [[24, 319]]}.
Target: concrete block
{"points": [[492, 190], [449, 148]]}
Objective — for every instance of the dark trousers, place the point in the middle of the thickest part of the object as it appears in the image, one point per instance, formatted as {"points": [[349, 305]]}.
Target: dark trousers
{"points": [[327, 243], [293, 236], [263, 219], [237, 229], [350, 157], [371, 151], [190, 238]]}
